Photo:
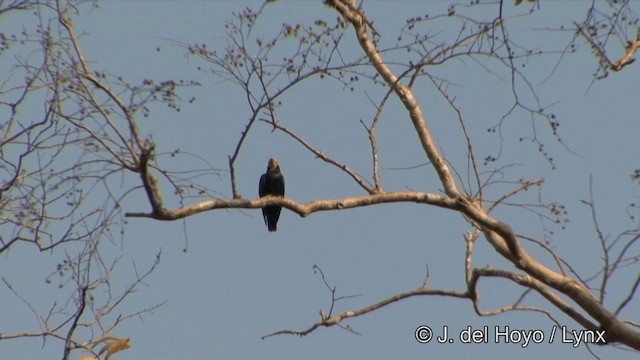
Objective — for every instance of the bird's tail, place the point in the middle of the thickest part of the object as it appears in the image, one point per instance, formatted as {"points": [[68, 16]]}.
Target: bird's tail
{"points": [[272, 226]]}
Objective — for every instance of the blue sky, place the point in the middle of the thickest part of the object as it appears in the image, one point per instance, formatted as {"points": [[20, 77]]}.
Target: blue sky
{"points": [[236, 282]]}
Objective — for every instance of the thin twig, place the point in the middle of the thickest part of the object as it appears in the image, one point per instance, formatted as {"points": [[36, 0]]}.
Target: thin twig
{"points": [[365, 184]]}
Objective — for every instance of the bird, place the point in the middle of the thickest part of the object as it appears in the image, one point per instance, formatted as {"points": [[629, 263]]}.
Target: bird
{"points": [[271, 183]]}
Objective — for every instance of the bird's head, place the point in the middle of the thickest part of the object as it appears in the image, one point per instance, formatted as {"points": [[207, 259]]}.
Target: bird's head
{"points": [[274, 165]]}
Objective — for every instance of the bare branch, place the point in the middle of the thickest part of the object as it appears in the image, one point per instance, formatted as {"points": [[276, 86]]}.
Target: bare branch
{"points": [[531, 283], [371, 132], [320, 154], [301, 209], [359, 22], [336, 320], [632, 293], [82, 299], [601, 240], [470, 152], [627, 58]]}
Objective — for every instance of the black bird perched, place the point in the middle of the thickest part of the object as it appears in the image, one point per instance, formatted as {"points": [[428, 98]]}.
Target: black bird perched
{"points": [[271, 183]]}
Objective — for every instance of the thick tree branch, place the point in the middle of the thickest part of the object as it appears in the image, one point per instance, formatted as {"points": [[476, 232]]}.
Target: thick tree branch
{"points": [[301, 209], [499, 234], [528, 282], [360, 23], [627, 58], [149, 181]]}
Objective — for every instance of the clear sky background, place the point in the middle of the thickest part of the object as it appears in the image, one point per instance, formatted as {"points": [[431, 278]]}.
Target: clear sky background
{"points": [[236, 282]]}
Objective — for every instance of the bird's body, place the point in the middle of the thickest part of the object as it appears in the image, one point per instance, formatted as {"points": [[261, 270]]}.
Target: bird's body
{"points": [[271, 183]]}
